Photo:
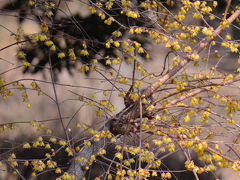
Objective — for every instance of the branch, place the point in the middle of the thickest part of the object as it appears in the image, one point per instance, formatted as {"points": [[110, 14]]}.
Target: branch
{"points": [[226, 10], [203, 44], [193, 93], [77, 167]]}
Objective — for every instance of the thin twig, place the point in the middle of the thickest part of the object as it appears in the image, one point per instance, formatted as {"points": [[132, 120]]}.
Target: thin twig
{"points": [[226, 10], [204, 43], [23, 122], [140, 137], [56, 98]]}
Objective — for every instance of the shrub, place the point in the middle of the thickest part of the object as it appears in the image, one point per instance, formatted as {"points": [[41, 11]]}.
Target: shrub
{"points": [[183, 107]]}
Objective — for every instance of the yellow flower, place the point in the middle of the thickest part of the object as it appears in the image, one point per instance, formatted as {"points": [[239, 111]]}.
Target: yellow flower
{"points": [[26, 146]]}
